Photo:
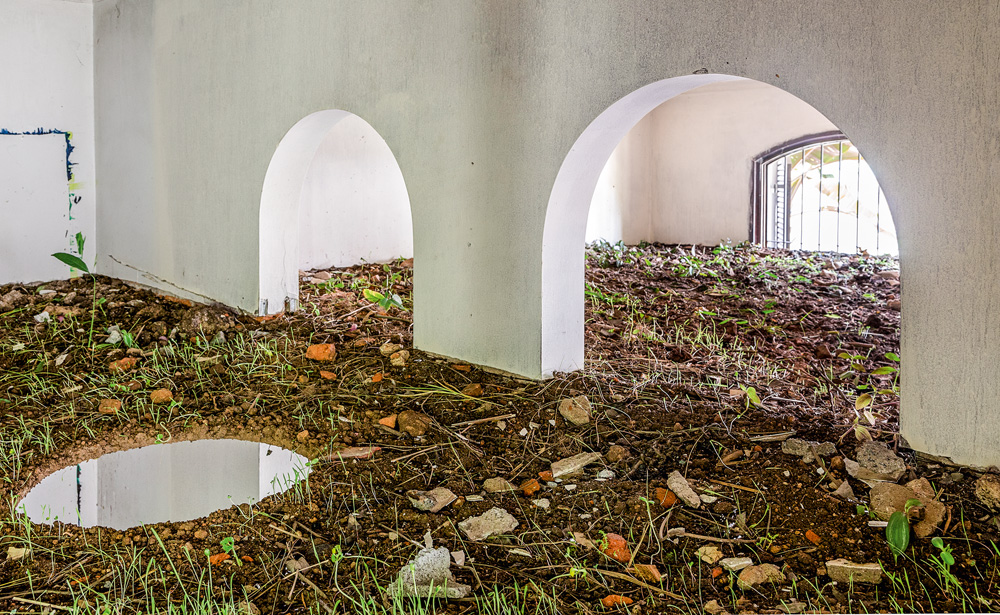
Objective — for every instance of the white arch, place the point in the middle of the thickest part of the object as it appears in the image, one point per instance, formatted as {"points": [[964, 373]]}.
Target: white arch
{"points": [[566, 217], [366, 203]]}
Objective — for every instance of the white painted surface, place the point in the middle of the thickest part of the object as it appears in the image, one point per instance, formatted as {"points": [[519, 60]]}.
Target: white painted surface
{"points": [[682, 174], [46, 68], [164, 482], [354, 206], [483, 102]]}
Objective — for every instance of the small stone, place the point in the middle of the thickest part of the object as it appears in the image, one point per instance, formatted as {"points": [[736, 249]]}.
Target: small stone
{"points": [[114, 335], [894, 304], [845, 491], [988, 491], [813, 537], [428, 575], [792, 607], [844, 571], [388, 349], [665, 497], [887, 498], [708, 499], [542, 503], [161, 396], [431, 501], [576, 410], [321, 352], [876, 462], [473, 390], [614, 600], [353, 452], [756, 575], [616, 453], [327, 375], [805, 448], [109, 406], [888, 274], [497, 485], [414, 423], [735, 564], [709, 554], [398, 359], [322, 275], [837, 463], [302, 436], [16, 553], [530, 487], [647, 572], [493, 521], [616, 547], [458, 557], [605, 475], [573, 464], [712, 607], [245, 607], [123, 365], [388, 421], [679, 485], [201, 534]]}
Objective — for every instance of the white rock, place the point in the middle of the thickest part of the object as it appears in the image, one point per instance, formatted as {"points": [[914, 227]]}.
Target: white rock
{"points": [[573, 464], [493, 521], [679, 485], [709, 554], [735, 564], [844, 571], [542, 503], [428, 575], [498, 485]]}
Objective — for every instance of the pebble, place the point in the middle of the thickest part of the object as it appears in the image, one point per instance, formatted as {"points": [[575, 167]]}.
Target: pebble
{"points": [[428, 574], [756, 575], [473, 390], [576, 410], [497, 485], [988, 491], [201, 534], [493, 521], [321, 352], [523, 432], [161, 396], [709, 554], [805, 448], [389, 348], [431, 501], [876, 462], [109, 406], [542, 503], [712, 607], [844, 571], [413, 422], [735, 564], [679, 485], [398, 359], [887, 498], [302, 436], [606, 474], [573, 464], [616, 453]]}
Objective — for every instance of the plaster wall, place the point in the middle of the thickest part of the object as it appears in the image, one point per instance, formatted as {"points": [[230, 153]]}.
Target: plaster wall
{"points": [[353, 207], [47, 106], [487, 107], [682, 174]]}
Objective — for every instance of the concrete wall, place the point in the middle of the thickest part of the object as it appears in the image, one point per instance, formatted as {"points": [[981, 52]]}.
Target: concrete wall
{"points": [[46, 72], [682, 174], [502, 115]]}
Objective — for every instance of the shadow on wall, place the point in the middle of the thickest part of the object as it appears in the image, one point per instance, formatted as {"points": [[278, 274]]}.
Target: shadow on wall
{"points": [[333, 196], [671, 162]]}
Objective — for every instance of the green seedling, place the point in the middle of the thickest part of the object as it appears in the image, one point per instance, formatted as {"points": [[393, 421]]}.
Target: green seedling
{"points": [[897, 532], [228, 545], [383, 301]]}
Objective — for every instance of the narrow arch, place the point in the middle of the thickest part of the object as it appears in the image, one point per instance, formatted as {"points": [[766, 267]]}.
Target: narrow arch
{"points": [[333, 196], [573, 192]]}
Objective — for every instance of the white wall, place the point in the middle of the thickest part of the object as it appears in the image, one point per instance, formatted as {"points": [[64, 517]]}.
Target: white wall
{"points": [[354, 207], [46, 68], [495, 111], [682, 174]]}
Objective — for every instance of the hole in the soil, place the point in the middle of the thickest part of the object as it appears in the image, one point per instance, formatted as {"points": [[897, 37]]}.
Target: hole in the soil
{"points": [[165, 482]]}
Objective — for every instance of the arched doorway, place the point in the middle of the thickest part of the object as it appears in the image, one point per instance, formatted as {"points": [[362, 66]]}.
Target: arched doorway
{"points": [[333, 196], [709, 203]]}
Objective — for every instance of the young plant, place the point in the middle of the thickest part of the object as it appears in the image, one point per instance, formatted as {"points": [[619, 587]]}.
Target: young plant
{"points": [[383, 301], [228, 545], [897, 532]]}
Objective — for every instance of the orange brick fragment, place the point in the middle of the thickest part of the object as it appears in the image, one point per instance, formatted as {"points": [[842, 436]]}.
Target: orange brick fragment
{"points": [[813, 537], [321, 352], [647, 572], [218, 558], [462, 368], [161, 396], [665, 497], [616, 548], [614, 600], [327, 375], [716, 572], [545, 475], [530, 486], [109, 406], [377, 378], [123, 365], [388, 421]]}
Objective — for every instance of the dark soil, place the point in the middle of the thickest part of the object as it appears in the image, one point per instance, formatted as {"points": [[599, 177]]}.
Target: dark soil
{"points": [[699, 360]]}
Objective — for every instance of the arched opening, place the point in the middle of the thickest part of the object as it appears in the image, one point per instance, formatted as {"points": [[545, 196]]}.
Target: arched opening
{"points": [[333, 196], [671, 162]]}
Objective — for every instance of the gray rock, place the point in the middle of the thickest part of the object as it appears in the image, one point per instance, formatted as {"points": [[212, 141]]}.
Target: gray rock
{"points": [[988, 491], [493, 521], [756, 575], [498, 485], [205, 321], [412, 422], [845, 492], [576, 410], [880, 461], [431, 501], [806, 448], [709, 554], [114, 335], [573, 464], [13, 299], [735, 564], [679, 485], [844, 571], [428, 575]]}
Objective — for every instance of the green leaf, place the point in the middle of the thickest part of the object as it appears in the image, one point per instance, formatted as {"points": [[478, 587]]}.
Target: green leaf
{"points": [[863, 401], [892, 356], [72, 260], [912, 503], [937, 542], [373, 295], [897, 533], [752, 396], [947, 558], [885, 369]]}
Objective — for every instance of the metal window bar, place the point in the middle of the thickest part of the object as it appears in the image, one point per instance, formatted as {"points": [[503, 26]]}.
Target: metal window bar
{"points": [[783, 176]]}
